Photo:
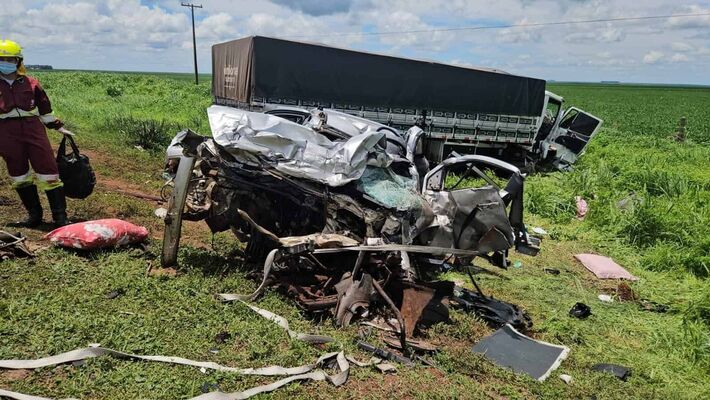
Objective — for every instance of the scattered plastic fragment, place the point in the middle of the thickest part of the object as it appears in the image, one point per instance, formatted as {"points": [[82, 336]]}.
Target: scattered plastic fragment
{"points": [[161, 212], [580, 310], [604, 267], [582, 207], [386, 368], [566, 379], [510, 348], [605, 298], [517, 264], [618, 371], [552, 271], [539, 231]]}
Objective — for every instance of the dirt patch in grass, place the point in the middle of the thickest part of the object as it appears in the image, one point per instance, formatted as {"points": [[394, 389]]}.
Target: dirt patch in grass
{"points": [[13, 375]]}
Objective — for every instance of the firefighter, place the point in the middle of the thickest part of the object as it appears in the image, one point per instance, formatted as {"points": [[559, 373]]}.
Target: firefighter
{"points": [[25, 111]]}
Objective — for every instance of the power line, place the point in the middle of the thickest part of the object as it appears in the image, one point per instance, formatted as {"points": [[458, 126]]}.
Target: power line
{"points": [[194, 42], [524, 25]]}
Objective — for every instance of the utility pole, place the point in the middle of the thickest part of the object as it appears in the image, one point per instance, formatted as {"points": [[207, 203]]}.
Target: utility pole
{"points": [[194, 43]]}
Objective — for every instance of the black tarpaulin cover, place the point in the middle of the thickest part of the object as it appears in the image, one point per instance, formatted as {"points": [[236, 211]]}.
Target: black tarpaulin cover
{"points": [[263, 67]]}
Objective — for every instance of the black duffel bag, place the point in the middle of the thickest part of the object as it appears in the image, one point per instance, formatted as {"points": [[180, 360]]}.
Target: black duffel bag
{"points": [[75, 171]]}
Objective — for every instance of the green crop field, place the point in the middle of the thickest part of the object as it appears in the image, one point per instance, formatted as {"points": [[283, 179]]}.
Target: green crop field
{"points": [[649, 209]]}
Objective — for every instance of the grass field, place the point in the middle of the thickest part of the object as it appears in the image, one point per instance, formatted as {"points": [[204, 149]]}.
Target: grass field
{"points": [[57, 302]]}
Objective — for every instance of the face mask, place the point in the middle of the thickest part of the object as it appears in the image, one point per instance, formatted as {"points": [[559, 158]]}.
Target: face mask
{"points": [[7, 67]]}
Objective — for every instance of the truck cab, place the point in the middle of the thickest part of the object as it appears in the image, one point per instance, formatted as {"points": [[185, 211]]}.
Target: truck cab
{"points": [[563, 133]]}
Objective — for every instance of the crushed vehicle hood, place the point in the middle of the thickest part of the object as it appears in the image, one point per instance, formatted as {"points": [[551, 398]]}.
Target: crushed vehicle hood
{"points": [[298, 150]]}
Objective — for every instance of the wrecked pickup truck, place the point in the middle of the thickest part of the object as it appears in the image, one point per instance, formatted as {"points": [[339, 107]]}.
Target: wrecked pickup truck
{"points": [[461, 109], [340, 213], [321, 177]]}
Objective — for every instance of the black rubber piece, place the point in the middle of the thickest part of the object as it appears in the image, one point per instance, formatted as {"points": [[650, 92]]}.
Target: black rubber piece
{"points": [[580, 310]]}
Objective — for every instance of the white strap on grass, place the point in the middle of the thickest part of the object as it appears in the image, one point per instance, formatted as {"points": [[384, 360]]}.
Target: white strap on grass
{"points": [[304, 372], [21, 396], [268, 264], [283, 323]]}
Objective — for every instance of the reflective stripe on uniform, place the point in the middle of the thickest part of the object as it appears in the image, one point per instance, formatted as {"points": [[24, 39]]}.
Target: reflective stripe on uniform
{"points": [[22, 180], [47, 118], [48, 182], [48, 178], [47, 186], [20, 113]]}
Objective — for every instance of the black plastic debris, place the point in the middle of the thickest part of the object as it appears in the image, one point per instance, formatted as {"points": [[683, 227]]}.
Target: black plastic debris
{"points": [[509, 348], [222, 337], [115, 293], [580, 310], [618, 371], [384, 354], [652, 306], [208, 387], [552, 271], [496, 312]]}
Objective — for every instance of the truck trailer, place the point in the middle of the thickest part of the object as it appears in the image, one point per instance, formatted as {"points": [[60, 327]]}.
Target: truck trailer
{"points": [[462, 110]]}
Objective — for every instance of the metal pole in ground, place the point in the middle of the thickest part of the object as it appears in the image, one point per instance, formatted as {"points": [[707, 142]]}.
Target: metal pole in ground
{"points": [[194, 42]]}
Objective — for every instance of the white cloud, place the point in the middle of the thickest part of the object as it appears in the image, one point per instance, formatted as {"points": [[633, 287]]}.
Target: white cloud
{"points": [[83, 24], [681, 47], [217, 27], [521, 34], [702, 21], [678, 57], [605, 34], [317, 7], [155, 34], [652, 57]]}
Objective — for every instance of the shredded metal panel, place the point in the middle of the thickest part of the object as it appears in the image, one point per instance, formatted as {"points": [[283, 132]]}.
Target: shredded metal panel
{"points": [[510, 348]]}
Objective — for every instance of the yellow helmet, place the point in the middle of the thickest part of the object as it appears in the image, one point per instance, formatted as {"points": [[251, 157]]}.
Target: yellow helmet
{"points": [[8, 48]]}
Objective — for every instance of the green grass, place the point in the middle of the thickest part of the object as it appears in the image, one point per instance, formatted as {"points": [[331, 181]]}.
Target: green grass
{"points": [[58, 302]]}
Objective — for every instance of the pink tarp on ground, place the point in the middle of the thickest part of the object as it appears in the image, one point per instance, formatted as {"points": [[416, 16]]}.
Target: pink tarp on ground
{"points": [[604, 267]]}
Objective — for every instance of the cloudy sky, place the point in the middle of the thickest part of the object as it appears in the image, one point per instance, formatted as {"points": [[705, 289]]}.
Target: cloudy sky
{"points": [[154, 35]]}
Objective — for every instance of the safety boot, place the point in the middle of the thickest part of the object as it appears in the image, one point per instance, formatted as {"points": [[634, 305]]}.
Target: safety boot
{"points": [[58, 205], [30, 199]]}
